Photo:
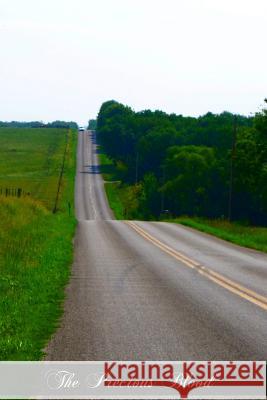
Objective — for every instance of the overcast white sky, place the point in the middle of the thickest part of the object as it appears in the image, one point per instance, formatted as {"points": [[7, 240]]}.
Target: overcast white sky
{"points": [[60, 59]]}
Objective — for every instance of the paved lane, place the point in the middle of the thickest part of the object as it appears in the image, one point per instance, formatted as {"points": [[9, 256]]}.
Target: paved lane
{"points": [[138, 291]]}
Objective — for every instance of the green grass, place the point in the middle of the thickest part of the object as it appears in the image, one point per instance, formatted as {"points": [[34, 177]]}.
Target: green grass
{"points": [[113, 187], [108, 170], [247, 236], [114, 194], [36, 245], [30, 159]]}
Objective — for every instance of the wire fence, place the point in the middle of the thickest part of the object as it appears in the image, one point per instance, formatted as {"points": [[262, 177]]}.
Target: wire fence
{"points": [[13, 192], [55, 209]]}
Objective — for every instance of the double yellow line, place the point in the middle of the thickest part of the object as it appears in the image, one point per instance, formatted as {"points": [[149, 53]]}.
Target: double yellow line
{"points": [[232, 286]]}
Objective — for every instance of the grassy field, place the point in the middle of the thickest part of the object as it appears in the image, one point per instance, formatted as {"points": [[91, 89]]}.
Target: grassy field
{"points": [[36, 245], [247, 236], [30, 159]]}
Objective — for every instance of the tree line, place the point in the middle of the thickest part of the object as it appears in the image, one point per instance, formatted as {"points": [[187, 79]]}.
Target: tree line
{"points": [[213, 166], [39, 124]]}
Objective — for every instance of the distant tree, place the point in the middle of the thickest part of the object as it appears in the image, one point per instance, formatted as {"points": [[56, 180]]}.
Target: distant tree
{"points": [[40, 124], [92, 124], [63, 124]]}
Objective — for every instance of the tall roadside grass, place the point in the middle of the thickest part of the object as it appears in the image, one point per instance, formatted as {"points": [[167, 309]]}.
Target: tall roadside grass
{"points": [[243, 235], [35, 244], [113, 187]]}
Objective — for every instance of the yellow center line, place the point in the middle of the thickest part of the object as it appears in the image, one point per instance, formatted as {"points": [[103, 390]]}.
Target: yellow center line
{"points": [[213, 276]]}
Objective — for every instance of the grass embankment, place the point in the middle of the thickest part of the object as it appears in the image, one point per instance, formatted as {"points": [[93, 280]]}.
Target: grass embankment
{"points": [[36, 245], [247, 236], [113, 188]]}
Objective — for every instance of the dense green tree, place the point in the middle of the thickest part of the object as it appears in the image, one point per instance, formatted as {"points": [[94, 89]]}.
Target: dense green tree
{"points": [[114, 126], [189, 178], [152, 148], [150, 197], [184, 163]]}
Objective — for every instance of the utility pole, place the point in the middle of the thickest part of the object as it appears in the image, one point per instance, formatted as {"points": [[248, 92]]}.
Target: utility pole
{"points": [[136, 167], [230, 200], [162, 192], [61, 172]]}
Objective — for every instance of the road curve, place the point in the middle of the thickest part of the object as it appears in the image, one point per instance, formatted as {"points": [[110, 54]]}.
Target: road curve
{"points": [[155, 291]]}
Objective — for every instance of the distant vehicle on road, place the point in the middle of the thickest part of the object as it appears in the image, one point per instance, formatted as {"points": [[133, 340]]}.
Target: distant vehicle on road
{"points": [[81, 129]]}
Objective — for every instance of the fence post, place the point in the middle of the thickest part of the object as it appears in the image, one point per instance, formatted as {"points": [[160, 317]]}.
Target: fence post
{"points": [[61, 173]]}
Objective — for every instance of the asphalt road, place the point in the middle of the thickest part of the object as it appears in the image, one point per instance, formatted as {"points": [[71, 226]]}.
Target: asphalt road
{"points": [[156, 291]]}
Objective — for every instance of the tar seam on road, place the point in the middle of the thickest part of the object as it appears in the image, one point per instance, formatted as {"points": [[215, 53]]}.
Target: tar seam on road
{"points": [[232, 286]]}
